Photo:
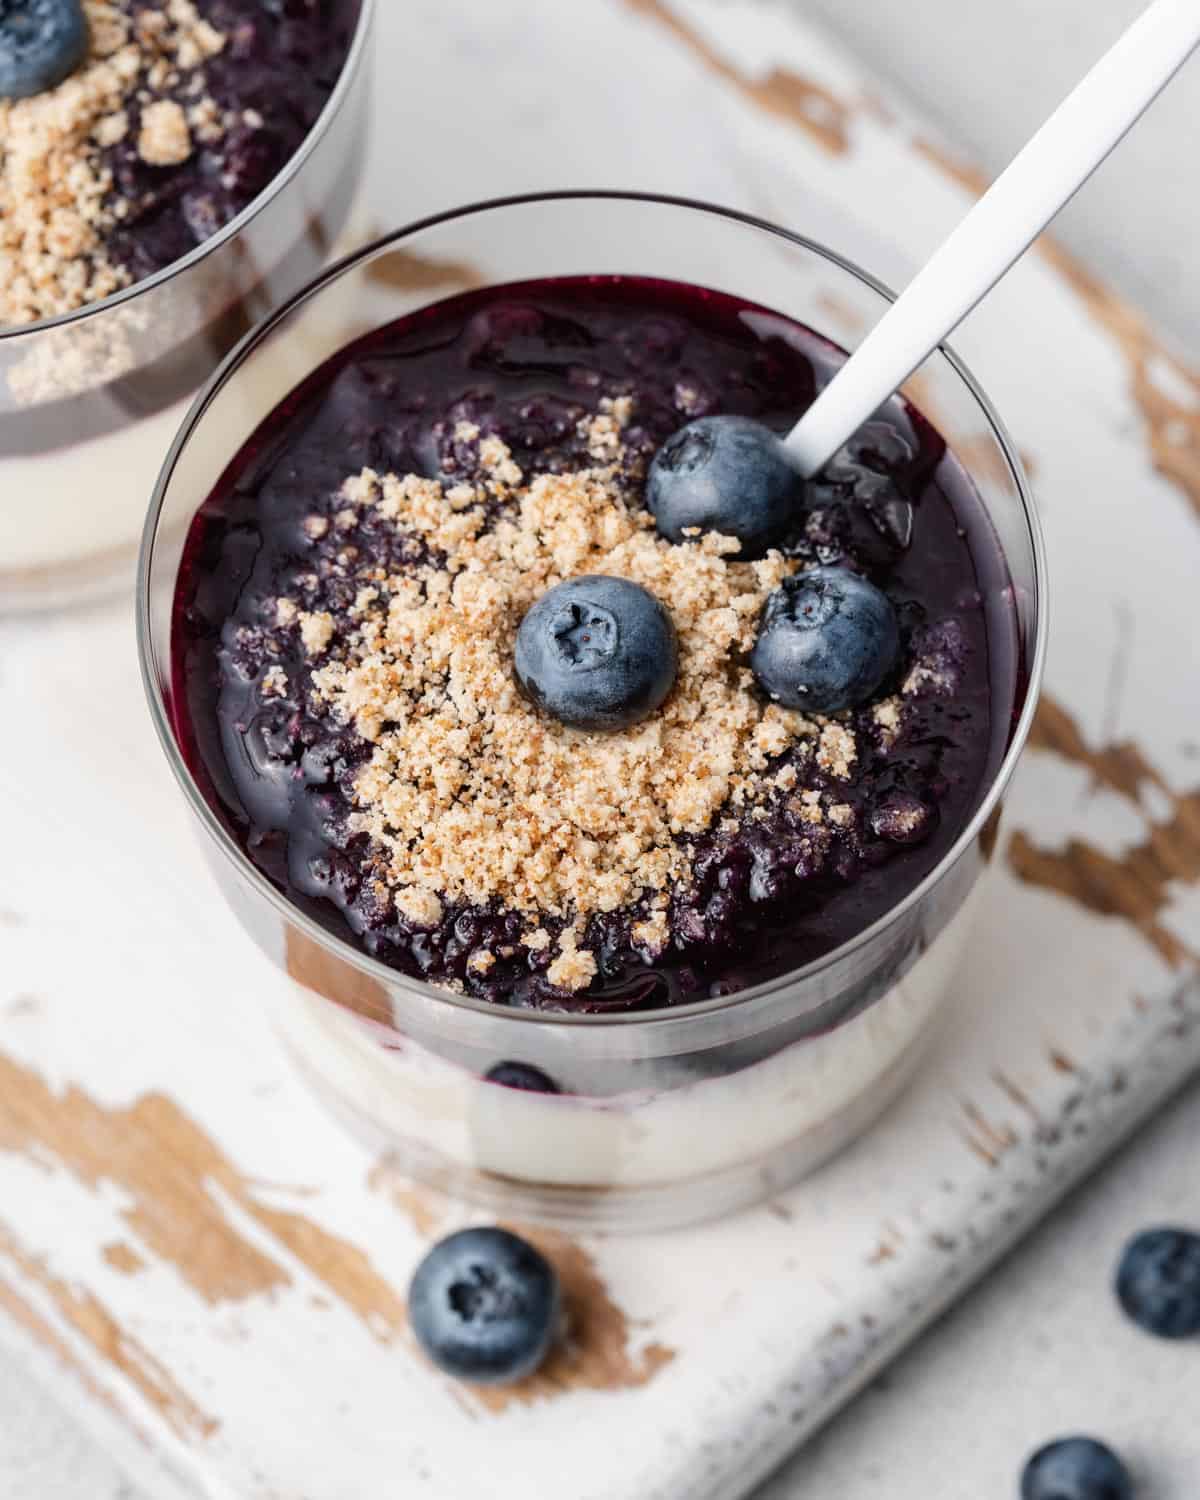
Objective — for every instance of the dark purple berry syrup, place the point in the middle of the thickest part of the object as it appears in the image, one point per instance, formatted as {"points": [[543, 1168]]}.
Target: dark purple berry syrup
{"points": [[271, 80], [528, 362]]}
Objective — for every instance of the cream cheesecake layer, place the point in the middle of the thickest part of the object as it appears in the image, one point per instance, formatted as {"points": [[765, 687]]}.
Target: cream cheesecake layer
{"points": [[416, 1099]]}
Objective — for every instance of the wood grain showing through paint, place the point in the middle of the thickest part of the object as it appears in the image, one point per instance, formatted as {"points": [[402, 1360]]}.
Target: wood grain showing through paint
{"points": [[124, 1355], [596, 1353], [405, 271], [123, 1258], [1136, 885], [1166, 390], [782, 92], [169, 1167], [17, 1308]]}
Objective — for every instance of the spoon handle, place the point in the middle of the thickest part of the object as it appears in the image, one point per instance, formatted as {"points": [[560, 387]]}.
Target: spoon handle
{"points": [[1007, 219]]}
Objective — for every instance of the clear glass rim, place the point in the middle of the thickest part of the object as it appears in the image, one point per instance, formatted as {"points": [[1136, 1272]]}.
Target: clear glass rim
{"points": [[346, 81], [391, 978]]}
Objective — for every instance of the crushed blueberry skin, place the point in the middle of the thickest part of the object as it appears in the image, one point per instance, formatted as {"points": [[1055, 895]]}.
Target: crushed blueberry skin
{"points": [[1158, 1282], [1076, 1468], [485, 1306], [529, 363], [273, 77]]}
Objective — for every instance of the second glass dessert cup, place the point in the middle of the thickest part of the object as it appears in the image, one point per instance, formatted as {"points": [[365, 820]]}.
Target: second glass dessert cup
{"points": [[662, 1117], [90, 400]]}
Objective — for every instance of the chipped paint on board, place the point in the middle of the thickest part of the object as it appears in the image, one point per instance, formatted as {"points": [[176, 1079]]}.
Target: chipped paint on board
{"points": [[167, 1165], [597, 1353], [405, 271], [176, 1179], [123, 1258], [1135, 886], [117, 1350], [782, 92], [1165, 389]]}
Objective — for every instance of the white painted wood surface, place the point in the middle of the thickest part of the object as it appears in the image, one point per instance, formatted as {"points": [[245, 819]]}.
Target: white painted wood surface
{"points": [[132, 990], [986, 74], [1041, 1349]]}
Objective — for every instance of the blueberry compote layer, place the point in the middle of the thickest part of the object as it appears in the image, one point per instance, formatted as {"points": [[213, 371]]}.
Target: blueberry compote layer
{"points": [[269, 82], [531, 364]]}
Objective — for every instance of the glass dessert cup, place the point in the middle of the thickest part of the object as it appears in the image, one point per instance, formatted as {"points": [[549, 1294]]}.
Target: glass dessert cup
{"points": [[668, 1116], [89, 401]]}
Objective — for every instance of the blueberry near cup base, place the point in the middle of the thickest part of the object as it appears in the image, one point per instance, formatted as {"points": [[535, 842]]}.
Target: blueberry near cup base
{"points": [[718, 927]]}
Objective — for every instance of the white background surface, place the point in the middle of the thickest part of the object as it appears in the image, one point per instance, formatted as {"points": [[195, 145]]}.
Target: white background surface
{"points": [[1040, 1349]]}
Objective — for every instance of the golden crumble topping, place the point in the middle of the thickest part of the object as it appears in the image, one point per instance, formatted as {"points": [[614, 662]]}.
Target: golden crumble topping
{"points": [[471, 792], [316, 631], [422, 908], [55, 193], [274, 683], [164, 139]]}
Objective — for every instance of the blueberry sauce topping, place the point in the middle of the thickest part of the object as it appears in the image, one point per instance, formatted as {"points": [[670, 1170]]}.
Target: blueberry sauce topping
{"points": [[828, 639], [597, 653], [270, 80], [1158, 1282], [846, 827], [727, 474], [41, 43], [485, 1306]]}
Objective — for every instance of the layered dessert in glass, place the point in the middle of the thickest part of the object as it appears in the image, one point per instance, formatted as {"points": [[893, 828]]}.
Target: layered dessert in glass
{"points": [[595, 904], [169, 172]]}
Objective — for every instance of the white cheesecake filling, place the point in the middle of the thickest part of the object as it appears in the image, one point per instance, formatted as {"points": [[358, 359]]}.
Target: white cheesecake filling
{"points": [[426, 1106], [82, 500]]}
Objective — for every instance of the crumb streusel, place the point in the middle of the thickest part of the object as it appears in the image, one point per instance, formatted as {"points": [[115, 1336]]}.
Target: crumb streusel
{"points": [[473, 793]]}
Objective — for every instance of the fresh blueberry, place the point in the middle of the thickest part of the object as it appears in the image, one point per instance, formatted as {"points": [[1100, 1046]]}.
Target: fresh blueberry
{"points": [[826, 641], [1076, 1468], [41, 42], [597, 652], [485, 1306], [1158, 1282], [725, 474], [519, 1075]]}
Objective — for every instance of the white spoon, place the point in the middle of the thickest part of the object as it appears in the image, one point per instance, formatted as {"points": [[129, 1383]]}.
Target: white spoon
{"points": [[1002, 225]]}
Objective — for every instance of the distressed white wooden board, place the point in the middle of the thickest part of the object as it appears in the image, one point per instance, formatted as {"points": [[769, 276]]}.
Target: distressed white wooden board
{"points": [[255, 1349]]}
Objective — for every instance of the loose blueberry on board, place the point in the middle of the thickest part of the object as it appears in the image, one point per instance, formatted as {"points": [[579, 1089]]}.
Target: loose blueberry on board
{"points": [[1158, 1282], [726, 474], [519, 1075], [826, 641], [485, 1306], [597, 652], [1076, 1468], [41, 43]]}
